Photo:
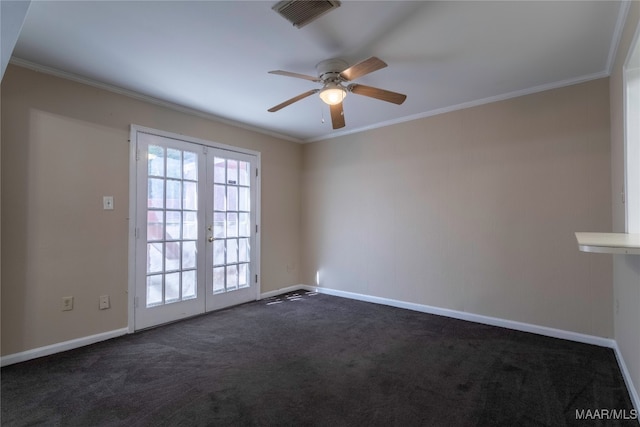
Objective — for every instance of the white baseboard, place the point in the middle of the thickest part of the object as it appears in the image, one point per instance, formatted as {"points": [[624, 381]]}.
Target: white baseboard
{"points": [[59, 347], [633, 392], [81, 342], [503, 323], [487, 320], [478, 318]]}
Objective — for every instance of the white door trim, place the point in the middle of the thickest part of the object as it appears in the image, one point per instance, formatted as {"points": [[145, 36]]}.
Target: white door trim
{"points": [[133, 196]]}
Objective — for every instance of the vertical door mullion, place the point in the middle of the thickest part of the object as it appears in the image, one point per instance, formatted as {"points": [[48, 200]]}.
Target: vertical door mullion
{"points": [[226, 226], [203, 200]]}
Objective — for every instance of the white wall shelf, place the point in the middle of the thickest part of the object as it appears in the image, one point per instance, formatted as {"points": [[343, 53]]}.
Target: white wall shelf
{"points": [[609, 243]]}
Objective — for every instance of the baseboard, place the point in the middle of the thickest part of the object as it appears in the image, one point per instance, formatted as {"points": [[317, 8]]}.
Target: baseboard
{"points": [[81, 342], [478, 318], [493, 321], [633, 392], [59, 347]]}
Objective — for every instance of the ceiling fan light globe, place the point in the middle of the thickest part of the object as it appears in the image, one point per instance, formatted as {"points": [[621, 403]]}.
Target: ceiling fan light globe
{"points": [[333, 95]]}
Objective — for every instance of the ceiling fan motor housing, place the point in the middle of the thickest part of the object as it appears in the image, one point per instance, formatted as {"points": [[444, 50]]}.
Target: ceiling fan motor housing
{"points": [[330, 69]]}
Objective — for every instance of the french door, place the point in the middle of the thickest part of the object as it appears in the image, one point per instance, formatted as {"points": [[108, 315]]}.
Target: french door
{"points": [[196, 228]]}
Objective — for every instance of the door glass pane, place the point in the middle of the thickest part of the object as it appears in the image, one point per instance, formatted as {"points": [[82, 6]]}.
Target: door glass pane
{"points": [[218, 252], [156, 161], [232, 277], [155, 225], [245, 226], [243, 250], [232, 251], [172, 287], [190, 170], [174, 163], [174, 225], [154, 257], [219, 225], [232, 224], [154, 290], [243, 275], [232, 172], [243, 199], [190, 194], [219, 198], [155, 193], [189, 288], [172, 256], [190, 225], [174, 194], [232, 198], [189, 253], [243, 169], [218, 280], [219, 171]]}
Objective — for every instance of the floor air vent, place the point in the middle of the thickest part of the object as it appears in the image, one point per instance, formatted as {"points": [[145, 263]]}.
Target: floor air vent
{"points": [[302, 12]]}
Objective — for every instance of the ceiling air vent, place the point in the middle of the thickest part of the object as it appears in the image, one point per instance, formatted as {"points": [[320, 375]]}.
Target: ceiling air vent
{"points": [[302, 12]]}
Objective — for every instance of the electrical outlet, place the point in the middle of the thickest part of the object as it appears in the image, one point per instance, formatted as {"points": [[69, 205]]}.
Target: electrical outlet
{"points": [[104, 302], [107, 203], [67, 303]]}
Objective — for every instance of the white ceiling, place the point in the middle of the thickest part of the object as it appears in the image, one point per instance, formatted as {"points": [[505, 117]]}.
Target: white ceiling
{"points": [[213, 56]]}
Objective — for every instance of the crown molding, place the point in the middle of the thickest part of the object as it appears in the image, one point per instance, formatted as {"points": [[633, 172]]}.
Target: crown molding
{"points": [[469, 104], [145, 98]]}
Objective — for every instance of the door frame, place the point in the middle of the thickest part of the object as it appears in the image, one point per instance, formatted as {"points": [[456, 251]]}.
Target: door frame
{"points": [[133, 197]]}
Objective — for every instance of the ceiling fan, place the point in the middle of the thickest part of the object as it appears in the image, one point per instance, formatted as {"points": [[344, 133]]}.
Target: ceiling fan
{"points": [[332, 73]]}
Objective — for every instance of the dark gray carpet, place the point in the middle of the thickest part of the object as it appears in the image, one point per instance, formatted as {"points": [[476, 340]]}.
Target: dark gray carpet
{"points": [[318, 360]]}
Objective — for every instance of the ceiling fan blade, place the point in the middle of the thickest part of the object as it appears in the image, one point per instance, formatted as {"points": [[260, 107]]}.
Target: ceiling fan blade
{"points": [[337, 116], [292, 100], [362, 68], [296, 75], [374, 92]]}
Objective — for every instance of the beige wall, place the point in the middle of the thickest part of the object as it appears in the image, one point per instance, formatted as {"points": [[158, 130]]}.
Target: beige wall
{"points": [[64, 146], [473, 210], [626, 269]]}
